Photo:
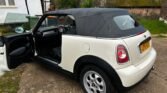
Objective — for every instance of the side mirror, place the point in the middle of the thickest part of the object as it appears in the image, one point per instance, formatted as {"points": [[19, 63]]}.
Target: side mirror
{"points": [[19, 29]]}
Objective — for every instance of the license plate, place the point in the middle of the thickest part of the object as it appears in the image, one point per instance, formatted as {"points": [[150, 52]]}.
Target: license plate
{"points": [[144, 46]]}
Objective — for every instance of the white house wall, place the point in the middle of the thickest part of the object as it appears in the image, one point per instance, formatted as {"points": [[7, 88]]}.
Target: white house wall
{"points": [[35, 8]]}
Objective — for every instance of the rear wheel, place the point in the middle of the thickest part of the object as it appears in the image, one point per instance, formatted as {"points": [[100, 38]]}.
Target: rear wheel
{"points": [[94, 80]]}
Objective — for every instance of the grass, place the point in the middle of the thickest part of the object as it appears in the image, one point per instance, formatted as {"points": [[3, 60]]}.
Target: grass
{"points": [[9, 83], [154, 25], [135, 3], [161, 36]]}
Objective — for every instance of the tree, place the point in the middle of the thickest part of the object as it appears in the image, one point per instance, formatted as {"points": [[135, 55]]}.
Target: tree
{"points": [[164, 10], [87, 3], [66, 3], [74, 3]]}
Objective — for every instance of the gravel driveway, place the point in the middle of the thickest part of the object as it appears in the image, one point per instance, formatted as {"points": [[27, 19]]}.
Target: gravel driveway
{"points": [[39, 79]]}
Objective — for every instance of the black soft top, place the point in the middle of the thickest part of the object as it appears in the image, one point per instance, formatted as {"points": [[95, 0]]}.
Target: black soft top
{"points": [[82, 12], [98, 22]]}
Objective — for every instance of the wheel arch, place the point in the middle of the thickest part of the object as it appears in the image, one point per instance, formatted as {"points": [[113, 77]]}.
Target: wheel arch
{"points": [[100, 63]]}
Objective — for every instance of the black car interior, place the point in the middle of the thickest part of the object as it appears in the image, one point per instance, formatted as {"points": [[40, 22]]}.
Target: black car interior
{"points": [[19, 48], [48, 38]]}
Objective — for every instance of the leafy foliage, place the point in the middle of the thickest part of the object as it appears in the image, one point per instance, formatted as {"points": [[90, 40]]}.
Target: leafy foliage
{"points": [[73, 3], [66, 3], [9, 83], [133, 3], [138, 3], [109, 3], [87, 3], [5, 29]]}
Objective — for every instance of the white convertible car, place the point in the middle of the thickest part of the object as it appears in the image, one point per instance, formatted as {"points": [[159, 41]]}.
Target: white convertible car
{"points": [[104, 48]]}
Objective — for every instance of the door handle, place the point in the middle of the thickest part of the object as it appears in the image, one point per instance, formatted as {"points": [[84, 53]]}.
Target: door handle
{"points": [[1, 53]]}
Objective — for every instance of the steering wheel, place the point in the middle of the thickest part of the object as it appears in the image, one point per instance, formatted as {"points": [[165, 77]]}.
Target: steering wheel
{"points": [[63, 28]]}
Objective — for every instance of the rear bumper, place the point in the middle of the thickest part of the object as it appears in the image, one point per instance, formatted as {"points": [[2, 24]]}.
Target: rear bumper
{"points": [[133, 74]]}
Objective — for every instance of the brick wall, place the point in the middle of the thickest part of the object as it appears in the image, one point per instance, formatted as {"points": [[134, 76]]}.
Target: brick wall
{"points": [[164, 10], [145, 11]]}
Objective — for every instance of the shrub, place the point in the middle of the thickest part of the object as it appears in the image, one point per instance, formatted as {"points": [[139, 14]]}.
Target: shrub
{"points": [[66, 3], [87, 3], [5, 29], [74, 3]]}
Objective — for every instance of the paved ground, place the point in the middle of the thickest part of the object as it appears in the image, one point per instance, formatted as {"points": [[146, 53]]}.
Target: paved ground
{"points": [[38, 79]]}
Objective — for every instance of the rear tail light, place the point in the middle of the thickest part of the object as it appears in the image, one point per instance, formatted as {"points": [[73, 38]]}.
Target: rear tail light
{"points": [[122, 54], [140, 33]]}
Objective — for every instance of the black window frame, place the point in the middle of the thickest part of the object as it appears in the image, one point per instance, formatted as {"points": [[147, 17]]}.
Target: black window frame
{"points": [[36, 28]]}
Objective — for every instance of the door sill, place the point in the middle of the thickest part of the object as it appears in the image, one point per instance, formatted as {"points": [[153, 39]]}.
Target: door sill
{"points": [[48, 60]]}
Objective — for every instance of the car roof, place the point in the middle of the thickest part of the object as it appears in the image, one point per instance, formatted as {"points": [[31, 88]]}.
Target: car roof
{"points": [[80, 12], [97, 22]]}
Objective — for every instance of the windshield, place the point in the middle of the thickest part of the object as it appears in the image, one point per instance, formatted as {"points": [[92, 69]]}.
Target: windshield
{"points": [[125, 22]]}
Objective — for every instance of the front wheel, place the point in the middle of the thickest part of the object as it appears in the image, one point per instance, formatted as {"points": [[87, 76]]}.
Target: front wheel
{"points": [[94, 80]]}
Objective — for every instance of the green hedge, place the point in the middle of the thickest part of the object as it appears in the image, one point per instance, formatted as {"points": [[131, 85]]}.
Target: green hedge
{"points": [[5, 29], [134, 3], [110, 3]]}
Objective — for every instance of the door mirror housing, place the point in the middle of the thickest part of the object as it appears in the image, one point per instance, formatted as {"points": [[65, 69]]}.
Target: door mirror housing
{"points": [[19, 29]]}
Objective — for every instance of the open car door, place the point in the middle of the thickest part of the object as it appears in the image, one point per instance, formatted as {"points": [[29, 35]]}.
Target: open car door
{"points": [[14, 50]]}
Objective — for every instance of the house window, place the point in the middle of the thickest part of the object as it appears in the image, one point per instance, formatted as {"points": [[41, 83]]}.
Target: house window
{"points": [[2, 2], [11, 2], [7, 2]]}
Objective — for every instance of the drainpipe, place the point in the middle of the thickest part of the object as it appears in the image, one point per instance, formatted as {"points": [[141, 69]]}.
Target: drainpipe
{"points": [[27, 7], [42, 5]]}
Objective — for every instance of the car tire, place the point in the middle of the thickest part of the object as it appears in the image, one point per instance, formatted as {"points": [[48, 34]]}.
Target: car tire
{"points": [[94, 80]]}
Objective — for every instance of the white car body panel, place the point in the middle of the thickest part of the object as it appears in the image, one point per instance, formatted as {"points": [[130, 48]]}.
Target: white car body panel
{"points": [[133, 47], [3, 60], [141, 62], [74, 47], [134, 73]]}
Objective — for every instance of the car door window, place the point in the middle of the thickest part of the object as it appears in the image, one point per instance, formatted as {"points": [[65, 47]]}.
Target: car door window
{"points": [[67, 22]]}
